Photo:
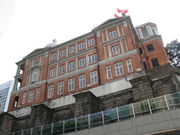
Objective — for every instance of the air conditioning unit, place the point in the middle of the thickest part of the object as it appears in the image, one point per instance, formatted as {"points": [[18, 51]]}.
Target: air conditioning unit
{"points": [[138, 69]]}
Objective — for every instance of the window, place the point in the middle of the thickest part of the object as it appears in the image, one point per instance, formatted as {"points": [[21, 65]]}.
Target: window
{"points": [[81, 46], [54, 56], [82, 62], [93, 77], [71, 66], [62, 53], [52, 72], [60, 88], [92, 58], [82, 81], [150, 47], [36, 63], [62, 69], [129, 65], [71, 84], [50, 91], [145, 65], [155, 62], [119, 68], [35, 75], [115, 49], [24, 98], [38, 94], [112, 34], [149, 30], [140, 50], [108, 71], [140, 33], [72, 49], [31, 96], [91, 42]]}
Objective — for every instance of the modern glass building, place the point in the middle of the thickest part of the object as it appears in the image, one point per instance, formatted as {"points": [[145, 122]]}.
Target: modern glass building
{"points": [[5, 91]]}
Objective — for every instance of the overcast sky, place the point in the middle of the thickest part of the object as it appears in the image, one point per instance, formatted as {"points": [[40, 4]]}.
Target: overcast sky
{"points": [[29, 24]]}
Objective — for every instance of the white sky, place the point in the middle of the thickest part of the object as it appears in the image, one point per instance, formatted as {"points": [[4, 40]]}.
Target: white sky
{"points": [[26, 25]]}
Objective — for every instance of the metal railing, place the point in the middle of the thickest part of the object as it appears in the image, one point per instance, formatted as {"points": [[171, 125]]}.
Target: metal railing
{"points": [[117, 114]]}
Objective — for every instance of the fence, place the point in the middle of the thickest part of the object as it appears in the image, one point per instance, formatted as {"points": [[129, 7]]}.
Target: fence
{"points": [[117, 114]]}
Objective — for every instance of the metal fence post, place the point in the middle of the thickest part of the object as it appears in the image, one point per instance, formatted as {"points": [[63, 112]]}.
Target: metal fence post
{"points": [[41, 130], [149, 106], [89, 121], [117, 113], [52, 125], [63, 126], [102, 113], [132, 105], [75, 119], [31, 131], [166, 102]]}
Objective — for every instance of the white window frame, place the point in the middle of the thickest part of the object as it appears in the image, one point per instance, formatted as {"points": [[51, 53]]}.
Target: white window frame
{"points": [[50, 90], [93, 58], [82, 81], [129, 65], [38, 94], [82, 62], [91, 42], [139, 31], [71, 66], [119, 68], [31, 96], [116, 50], [35, 75], [60, 88], [24, 98], [61, 69], [53, 56], [149, 30], [81, 46], [113, 34], [52, 72], [72, 49], [62, 53], [108, 72], [93, 77], [71, 84]]}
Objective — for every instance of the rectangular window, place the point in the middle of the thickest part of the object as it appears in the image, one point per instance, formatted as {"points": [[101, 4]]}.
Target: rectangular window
{"points": [[150, 47], [81, 46], [36, 63], [91, 42], [62, 53], [62, 69], [149, 30], [140, 34], [72, 49], [50, 91], [93, 77], [82, 62], [38, 94], [60, 88], [108, 72], [24, 98], [155, 62], [129, 65], [35, 75], [92, 58], [71, 66], [82, 81], [112, 34], [116, 50], [52, 72], [31, 96], [54, 56], [119, 68], [71, 84]]}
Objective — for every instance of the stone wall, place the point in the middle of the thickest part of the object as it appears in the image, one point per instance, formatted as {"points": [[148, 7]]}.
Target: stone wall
{"points": [[156, 82]]}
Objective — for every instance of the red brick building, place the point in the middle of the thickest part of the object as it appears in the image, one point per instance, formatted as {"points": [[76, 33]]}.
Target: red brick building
{"points": [[113, 51]]}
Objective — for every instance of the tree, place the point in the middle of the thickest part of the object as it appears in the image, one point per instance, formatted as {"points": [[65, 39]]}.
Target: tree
{"points": [[173, 50]]}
